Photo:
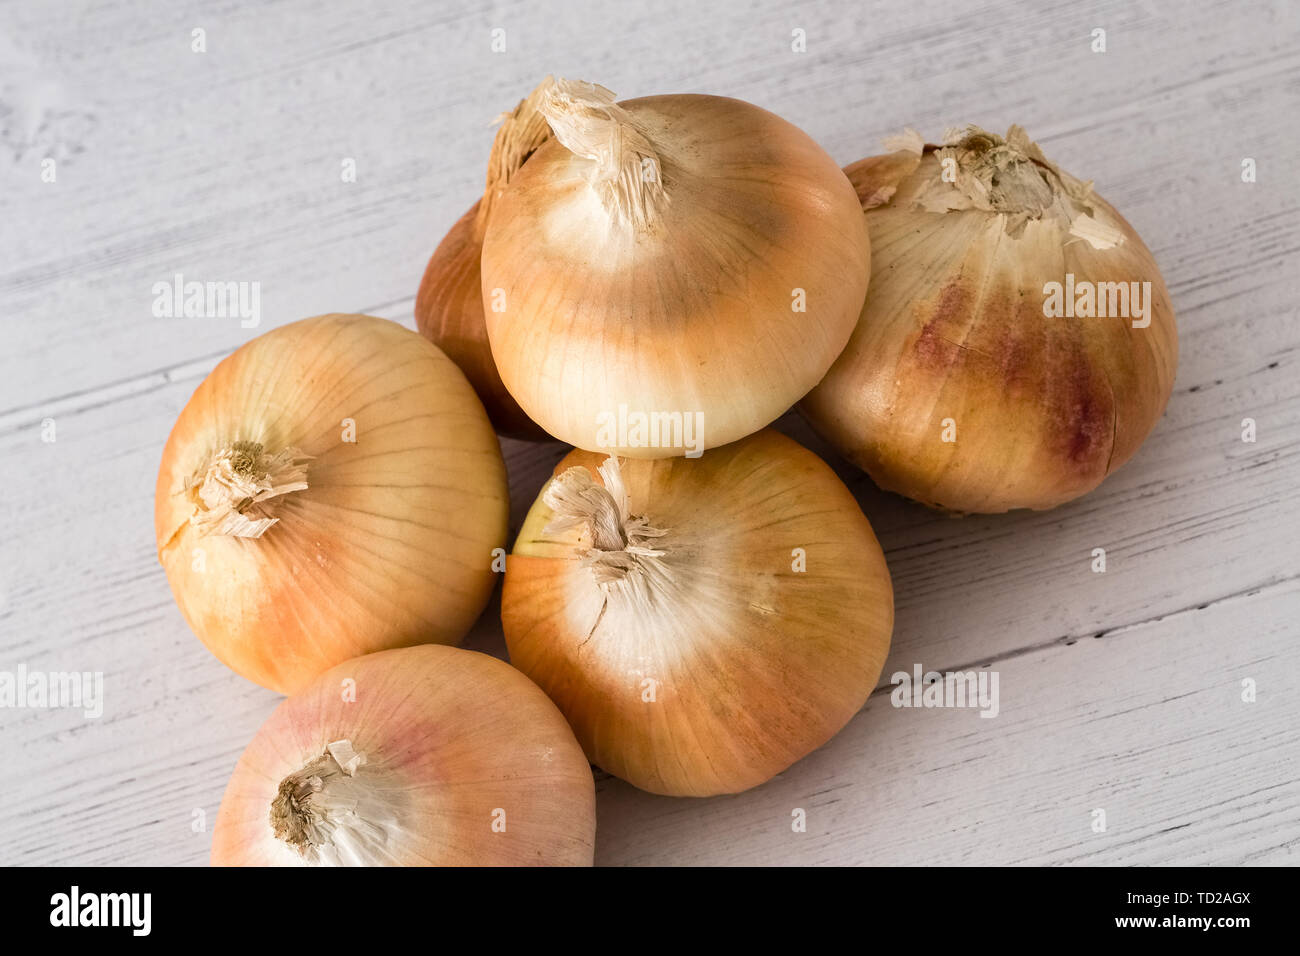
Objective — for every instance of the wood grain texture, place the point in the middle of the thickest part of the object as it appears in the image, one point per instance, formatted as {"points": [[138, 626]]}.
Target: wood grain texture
{"points": [[1119, 691]]}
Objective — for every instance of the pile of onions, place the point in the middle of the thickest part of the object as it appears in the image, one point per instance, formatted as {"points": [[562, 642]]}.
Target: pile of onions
{"points": [[417, 756], [449, 304], [702, 624], [975, 382], [645, 280], [675, 255], [332, 488]]}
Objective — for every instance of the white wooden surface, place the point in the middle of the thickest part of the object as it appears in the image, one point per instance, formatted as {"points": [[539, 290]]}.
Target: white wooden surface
{"points": [[1119, 691]]}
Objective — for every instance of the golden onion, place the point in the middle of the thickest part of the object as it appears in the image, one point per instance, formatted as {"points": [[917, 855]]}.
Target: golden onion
{"points": [[701, 624], [420, 756], [332, 488], [668, 259]]}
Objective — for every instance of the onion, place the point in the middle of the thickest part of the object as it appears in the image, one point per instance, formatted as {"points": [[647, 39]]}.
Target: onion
{"points": [[687, 256], [449, 304], [417, 756], [701, 624], [332, 488], [964, 386]]}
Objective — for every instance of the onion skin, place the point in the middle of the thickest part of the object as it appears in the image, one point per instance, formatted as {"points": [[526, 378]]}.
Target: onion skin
{"points": [[457, 735], [449, 303], [953, 327], [694, 314], [449, 313], [757, 664], [389, 545]]}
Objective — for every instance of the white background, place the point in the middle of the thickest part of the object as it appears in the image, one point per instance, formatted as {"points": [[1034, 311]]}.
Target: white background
{"points": [[1119, 691]]}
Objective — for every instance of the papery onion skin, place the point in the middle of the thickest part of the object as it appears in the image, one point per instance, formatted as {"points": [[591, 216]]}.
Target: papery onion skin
{"points": [[756, 664], [695, 313], [449, 303], [453, 742], [449, 313], [391, 542], [1043, 409]]}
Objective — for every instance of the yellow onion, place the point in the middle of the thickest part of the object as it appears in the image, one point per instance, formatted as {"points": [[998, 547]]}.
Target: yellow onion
{"points": [[976, 380], [332, 488], [665, 259], [417, 756], [449, 304], [701, 624]]}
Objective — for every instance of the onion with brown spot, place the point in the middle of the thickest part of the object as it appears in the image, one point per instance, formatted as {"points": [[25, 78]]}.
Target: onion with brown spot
{"points": [[953, 337], [332, 488]]}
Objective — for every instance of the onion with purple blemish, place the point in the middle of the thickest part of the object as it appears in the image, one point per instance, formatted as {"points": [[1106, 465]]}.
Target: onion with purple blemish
{"points": [[1017, 343]]}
